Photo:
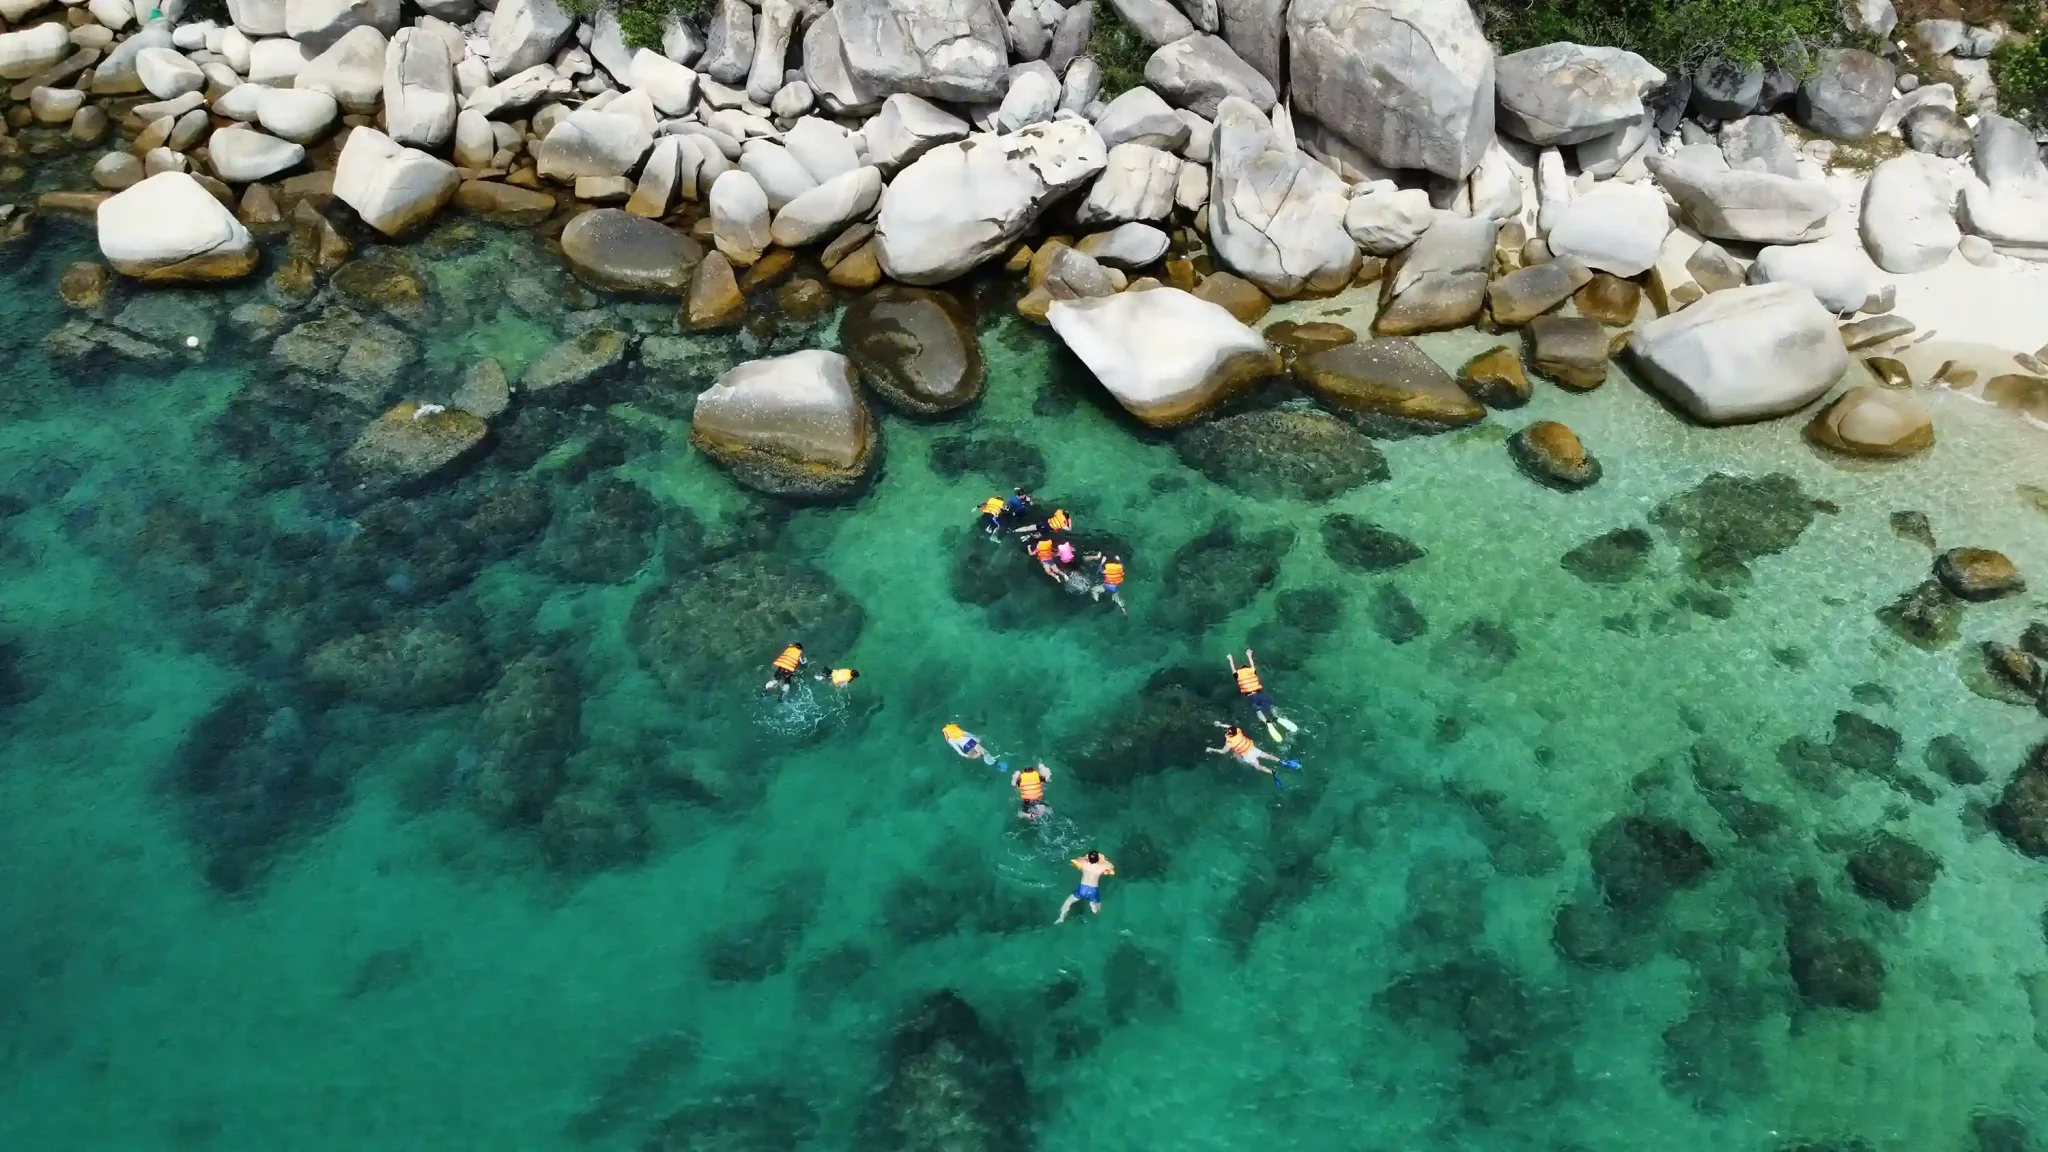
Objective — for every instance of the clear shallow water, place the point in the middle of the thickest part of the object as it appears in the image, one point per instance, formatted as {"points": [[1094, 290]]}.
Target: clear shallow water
{"points": [[706, 932]]}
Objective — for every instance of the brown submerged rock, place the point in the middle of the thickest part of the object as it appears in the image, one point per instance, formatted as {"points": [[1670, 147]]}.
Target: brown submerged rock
{"points": [[2014, 391], [1978, 573], [1550, 454], [1927, 616], [413, 441], [1610, 300], [1865, 421], [2021, 814], [1570, 350], [791, 425], [861, 268], [1874, 330], [915, 348], [1495, 378], [1241, 298], [1889, 372], [1295, 338], [804, 299], [1388, 385], [1438, 302], [714, 300], [1526, 293], [616, 250], [504, 203], [84, 284]]}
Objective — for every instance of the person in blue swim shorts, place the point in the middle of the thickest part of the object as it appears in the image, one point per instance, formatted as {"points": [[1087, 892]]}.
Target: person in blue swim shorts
{"points": [[1094, 866]]}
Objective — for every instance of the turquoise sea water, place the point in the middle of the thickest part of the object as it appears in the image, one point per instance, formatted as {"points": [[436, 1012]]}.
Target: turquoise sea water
{"points": [[456, 821]]}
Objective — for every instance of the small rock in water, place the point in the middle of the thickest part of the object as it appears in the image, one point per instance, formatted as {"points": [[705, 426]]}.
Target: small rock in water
{"points": [[2021, 814], [1894, 871], [1950, 758], [1495, 378], [1913, 526], [1978, 573], [1610, 300], [1550, 453], [1362, 546], [1395, 617], [1570, 350], [1872, 422], [1611, 558], [1300, 454], [1874, 330], [1928, 615], [1726, 521]]}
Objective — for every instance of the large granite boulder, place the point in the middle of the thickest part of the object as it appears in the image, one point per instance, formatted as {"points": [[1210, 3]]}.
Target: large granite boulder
{"points": [[525, 33], [419, 90], [833, 83], [824, 210], [2021, 814], [1757, 207], [790, 425], [1276, 217], [1837, 272], [1385, 221], [1410, 82], [967, 202], [1441, 282], [740, 223], [1743, 354], [392, 187], [1388, 387], [915, 348], [1615, 227], [1165, 355], [2007, 203], [587, 143], [1566, 93], [1846, 93], [1866, 421], [906, 128], [351, 70], [1138, 183], [618, 251], [945, 49], [240, 156], [318, 24], [1908, 216], [169, 227], [1200, 72]]}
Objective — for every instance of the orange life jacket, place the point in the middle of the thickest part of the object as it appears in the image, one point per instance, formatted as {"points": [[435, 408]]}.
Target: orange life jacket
{"points": [[1248, 680], [1059, 521], [1237, 743], [992, 506], [790, 658], [841, 677], [1030, 785], [1113, 574], [1043, 551]]}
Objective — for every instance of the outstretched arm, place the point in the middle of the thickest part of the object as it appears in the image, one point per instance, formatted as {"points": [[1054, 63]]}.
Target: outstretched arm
{"points": [[1232, 661]]}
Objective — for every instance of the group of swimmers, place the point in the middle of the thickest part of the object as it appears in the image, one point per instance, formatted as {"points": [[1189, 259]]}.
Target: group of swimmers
{"points": [[1048, 542]]}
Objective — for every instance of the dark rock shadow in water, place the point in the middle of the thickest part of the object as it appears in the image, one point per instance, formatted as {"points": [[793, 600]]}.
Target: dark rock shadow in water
{"points": [[1004, 462], [759, 947], [747, 1117], [949, 1083], [249, 786], [1219, 572], [1283, 454]]}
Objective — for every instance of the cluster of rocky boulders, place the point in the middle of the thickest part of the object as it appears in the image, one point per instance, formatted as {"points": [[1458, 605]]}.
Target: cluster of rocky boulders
{"points": [[1289, 152]]}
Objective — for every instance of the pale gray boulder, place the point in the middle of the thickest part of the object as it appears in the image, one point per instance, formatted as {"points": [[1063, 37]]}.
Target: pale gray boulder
{"points": [[419, 90], [1757, 207], [519, 91], [525, 33], [772, 33], [781, 176], [318, 24], [1070, 38], [740, 221], [1138, 183], [1743, 354], [1276, 217], [1256, 30], [967, 202], [1165, 355], [1199, 72], [823, 148], [823, 211], [587, 143], [839, 91], [945, 49], [2007, 203], [1613, 227], [258, 17], [392, 187], [166, 73], [299, 116], [1410, 82], [1758, 144], [1033, 96], [1142, 116], [1030, 25], [1566, 93], [1385, 221], [907, 127], [1836, 271], [1155, 21], [351, 70], [240, 156], [170, 228], [1132, 245], [1846, 94], [671, 87], [1724, 89], [1080, 87]]}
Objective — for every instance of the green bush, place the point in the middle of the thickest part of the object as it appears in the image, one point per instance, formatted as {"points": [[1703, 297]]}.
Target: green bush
{"points": [[2020, 69], [1672, 34], [640, 21], [1118, 50]]}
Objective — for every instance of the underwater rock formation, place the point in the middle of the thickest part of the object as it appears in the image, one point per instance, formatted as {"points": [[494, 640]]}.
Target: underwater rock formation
{"points": [[1395, 617], [1928, 615], [1894, 871], [1610, 558], [746, 1117], [529, 723], [1360, 545], [2021, 814], [1002, 461], [759, 947], [1641, 861], [730, 618], [915, 348], [1219, 572], [1831, 967], [609, 539], [1490, 1007], [1165, 725], [1726, 521], [401, 667], [952, 1085], [247, 781], [1283, 453]]}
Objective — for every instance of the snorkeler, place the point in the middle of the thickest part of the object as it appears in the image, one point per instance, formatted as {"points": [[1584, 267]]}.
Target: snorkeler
{"points": [[1112, 568], [1030, 786], [1239, 747], [1044, 553], [840, 677], [967, 744], [786, 666], [992, 510], [1019, 502], [1094, 866], [1058, 522], [1262, 704]]}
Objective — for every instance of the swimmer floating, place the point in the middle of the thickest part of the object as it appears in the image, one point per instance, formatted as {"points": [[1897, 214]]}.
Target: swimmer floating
{"points": [[968, 745], [1030, 785], [1255, 695], [786, 667], [1239, 747], [1094, 866]]}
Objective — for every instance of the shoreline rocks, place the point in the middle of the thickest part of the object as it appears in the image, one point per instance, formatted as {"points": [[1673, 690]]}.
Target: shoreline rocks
{"points": [[1743, 354], [791, 426], [1164, 354]]}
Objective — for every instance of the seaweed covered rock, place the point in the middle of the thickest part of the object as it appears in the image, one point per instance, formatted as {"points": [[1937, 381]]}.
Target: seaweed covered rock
{"points": [[1395, 617], [621, 252], [1488, 1005], [1550, 454], [248, 786], [790, 426], [1610, 558], [609, 540], [1001, 460], [1928, 615], [1726, 521], [1590, 933], [598, 820], [1219, 572], [1950, 758], [952, 1085], [577, 361], [1283, 453], [714, 624], [400, 667], [413, 442], [1831, 966], [1978, 573], [529, 724], [736, 1118], [1363, 546], [916, 348], [2021, 814], [1388, 386], [1164, 725], [1894, 871], [1641, 861]]}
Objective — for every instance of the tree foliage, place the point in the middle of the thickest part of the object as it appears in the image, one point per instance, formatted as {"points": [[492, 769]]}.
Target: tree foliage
{"points": [[1118, 50], [1672, 34]]}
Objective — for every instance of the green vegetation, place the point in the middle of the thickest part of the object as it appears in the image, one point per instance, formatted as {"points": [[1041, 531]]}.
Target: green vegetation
{"points": [[1118, 50], [640, 21], [2020, 69], [1672, 34]]}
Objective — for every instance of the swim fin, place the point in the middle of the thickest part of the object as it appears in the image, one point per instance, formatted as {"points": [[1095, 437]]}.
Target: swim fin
{"points": [[1275, 734], [1290, 725], [1294, 764]]}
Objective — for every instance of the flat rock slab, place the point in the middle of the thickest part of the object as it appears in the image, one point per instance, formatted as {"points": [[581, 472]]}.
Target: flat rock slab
{"points": [[1389, 386]]}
